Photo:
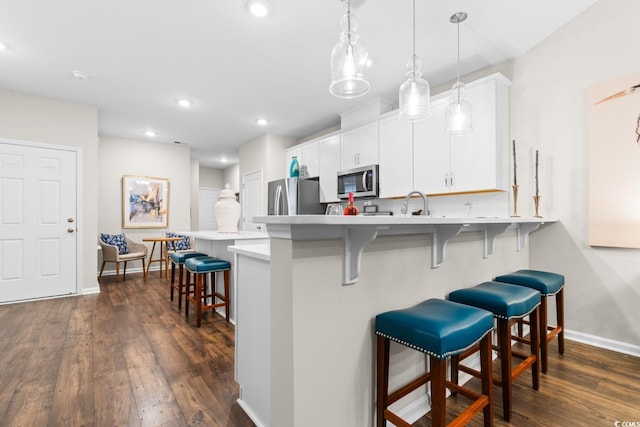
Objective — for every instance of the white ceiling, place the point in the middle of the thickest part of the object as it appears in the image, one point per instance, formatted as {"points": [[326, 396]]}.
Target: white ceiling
{"points": [[143, 55]]}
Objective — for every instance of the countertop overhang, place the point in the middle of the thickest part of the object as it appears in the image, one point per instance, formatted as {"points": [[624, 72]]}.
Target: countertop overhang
{"points": [[358, 231]]}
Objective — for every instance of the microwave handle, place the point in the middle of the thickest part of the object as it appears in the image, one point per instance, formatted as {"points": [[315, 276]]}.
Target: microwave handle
{"points": [[278, 200], [364, 181]]}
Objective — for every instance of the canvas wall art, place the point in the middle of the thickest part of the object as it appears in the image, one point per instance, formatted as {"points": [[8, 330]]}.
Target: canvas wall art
{"points": [[145, 202], [614, 162]]}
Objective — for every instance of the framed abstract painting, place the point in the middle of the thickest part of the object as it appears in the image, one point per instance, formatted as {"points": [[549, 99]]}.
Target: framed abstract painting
{"points": [[145, 202]]}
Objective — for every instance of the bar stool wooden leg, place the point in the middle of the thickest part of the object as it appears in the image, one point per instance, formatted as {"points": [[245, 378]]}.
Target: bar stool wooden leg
{"points": [[198, 297], [382, 369], [560, 319], [504, 342], [438, 391], [544, 343], [486, 368]]}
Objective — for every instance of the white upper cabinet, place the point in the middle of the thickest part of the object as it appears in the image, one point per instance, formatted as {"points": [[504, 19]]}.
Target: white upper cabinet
{"points": [[396, 156], [311, 157], [431, 160], [308, 155], [475, 161], [359, 147], [289, 154], [329, 166]]}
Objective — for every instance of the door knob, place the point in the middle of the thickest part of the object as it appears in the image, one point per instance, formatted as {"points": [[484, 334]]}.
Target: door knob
{"points": [[69, 219], [70, 230]]}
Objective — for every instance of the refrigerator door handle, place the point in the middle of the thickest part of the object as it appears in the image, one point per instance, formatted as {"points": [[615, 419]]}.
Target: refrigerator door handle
{"points": [[278, 200]]}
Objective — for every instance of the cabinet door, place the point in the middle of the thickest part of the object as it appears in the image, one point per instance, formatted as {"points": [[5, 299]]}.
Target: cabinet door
{"points": [[476, 157], [431, 151], [349, 149], [368, 144], [396, 156], [329, 167], [296, 150], [311, 157]]}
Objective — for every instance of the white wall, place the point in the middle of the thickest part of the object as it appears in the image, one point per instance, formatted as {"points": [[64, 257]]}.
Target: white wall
{"points": [[231, 175], [265, 153], [549, 113], [118, 157], [195, 202], [36, 119], [211, 178]]}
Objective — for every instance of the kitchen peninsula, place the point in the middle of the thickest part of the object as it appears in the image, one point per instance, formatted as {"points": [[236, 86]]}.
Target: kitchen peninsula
{"points": [[329, 277], [215, 244]]}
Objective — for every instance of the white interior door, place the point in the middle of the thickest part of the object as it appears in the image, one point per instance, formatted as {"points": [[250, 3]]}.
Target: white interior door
{"points": [[38, 243], [251, 200], [207, 199]]}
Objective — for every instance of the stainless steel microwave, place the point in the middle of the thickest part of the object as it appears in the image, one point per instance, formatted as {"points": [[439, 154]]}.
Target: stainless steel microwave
{"points": [[362, 182]]}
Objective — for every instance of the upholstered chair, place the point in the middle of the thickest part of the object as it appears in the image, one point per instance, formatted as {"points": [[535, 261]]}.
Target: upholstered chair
{"points": [[119, 248]]}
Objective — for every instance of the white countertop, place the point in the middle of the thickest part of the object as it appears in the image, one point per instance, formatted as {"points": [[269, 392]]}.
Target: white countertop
{"points": [[358, 231], [240, 235], [393, 220], [260, 251]]}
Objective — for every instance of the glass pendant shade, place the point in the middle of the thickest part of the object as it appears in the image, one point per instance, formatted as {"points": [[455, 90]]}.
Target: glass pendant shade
{"points": [[415, 93], [458, 114], [349, 62]]}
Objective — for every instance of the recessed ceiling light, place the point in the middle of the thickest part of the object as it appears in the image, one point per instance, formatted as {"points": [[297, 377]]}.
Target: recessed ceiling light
{"points": [[185, 103], [80, 75], [150, 133], [223, 159], [259, 8], [262, 121], [3, 46]]}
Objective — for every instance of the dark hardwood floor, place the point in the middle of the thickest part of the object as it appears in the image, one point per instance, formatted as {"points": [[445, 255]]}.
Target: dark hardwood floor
{"points": [[587, 386], [126, 357]]}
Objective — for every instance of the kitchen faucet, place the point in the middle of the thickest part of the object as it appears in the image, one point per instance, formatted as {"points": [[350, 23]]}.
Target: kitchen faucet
{"points": [[405, 204]]}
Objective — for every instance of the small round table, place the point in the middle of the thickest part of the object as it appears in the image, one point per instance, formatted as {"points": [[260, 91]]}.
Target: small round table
{"points": [[164, 252]]}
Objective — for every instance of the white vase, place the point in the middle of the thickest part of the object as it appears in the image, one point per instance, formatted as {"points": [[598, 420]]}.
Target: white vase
{"points": [[227, 211]]}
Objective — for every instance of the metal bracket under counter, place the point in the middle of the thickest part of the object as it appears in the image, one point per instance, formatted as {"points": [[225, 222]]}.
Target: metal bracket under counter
{"points": [[357, 234]]}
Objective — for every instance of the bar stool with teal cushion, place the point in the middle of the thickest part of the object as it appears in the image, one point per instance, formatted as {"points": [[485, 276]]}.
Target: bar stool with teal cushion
{"points": [[548, 284], [178, 258], [204, 299], [440, 329], [508, 303]]}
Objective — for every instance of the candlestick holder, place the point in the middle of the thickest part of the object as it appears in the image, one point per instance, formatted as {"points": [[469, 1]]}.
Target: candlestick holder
{"points": [[536, 202], [515, 201]]}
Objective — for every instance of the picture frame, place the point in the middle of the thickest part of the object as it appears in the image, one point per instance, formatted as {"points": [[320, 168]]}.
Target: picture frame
{"points": [[145, 202]]}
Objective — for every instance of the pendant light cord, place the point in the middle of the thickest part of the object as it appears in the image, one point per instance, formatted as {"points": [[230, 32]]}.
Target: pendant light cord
{"points": [[413, 58], [458, 51]]}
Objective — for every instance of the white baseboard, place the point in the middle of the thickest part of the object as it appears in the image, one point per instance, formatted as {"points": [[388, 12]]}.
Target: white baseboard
{"points": [[130, 270], [606, 343], [247, 410], [89, 291]]}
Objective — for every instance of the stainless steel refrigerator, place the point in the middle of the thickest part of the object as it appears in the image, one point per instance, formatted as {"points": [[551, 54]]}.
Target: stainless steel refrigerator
{"points": [[295, 196]]}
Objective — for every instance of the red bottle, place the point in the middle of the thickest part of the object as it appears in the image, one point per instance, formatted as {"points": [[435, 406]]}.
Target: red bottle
{"points": [[351, 208]]}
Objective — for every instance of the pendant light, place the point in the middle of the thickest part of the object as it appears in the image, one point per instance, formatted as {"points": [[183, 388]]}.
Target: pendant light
{"points": [[415, 93], [458, 115], [349, 61]]}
